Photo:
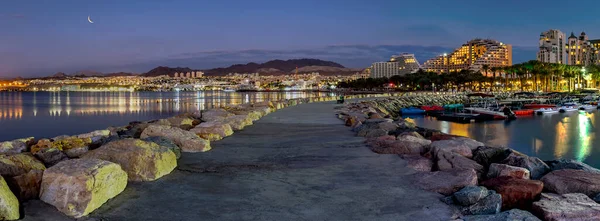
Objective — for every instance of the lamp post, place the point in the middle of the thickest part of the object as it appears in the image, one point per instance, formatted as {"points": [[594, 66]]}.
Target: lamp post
{"points": [[579, 77]]}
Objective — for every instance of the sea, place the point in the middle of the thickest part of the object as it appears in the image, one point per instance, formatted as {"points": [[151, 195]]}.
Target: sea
{"points": [[569, 135], [51, 114]]}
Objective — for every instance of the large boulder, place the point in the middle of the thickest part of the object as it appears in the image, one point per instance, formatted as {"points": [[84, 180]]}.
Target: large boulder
{"points": [[460, 146], [486, 155], [572, 206], [238, 122], [446, 182], [570, 164], [516, 193], [470, 195], [418, 162], [186, 140], [95, 136], [213, 130], [572, 181], [497, 170], [161, 141], [445, 160], [14, 165], [9, 204], [51, 156], [510, 215], [491, 204], [142, 160], [405, 145], [537, 168], [78, 187], [15, 146], [26, 186]]}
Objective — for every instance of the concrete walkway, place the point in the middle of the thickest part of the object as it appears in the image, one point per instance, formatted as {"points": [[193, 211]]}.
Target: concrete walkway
{"points": [[299, 163]]}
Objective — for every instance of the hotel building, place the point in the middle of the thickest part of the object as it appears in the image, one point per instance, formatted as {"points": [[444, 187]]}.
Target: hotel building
{"points": [[552, 47], [472, 56], [398, 65], [580, 50]]}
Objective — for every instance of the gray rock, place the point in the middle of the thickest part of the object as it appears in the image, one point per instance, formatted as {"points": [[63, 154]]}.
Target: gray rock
{"points": [[76, 152], [572, 206], [470, 195], [488, 205], [445, 182], [597, 198], [161, 141], [51, 156], [375, 133], [510, 215], [15, 146], [570, 164], [445, 160], [449, 200], [485, 155], [536, 167], [418, 162]]}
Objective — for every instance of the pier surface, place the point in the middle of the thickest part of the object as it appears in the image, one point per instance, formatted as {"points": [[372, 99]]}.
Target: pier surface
{"points": [[298, 163]]}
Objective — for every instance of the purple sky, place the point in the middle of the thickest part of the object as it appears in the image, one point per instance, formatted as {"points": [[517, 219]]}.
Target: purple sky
{"points": [[40, 38]]}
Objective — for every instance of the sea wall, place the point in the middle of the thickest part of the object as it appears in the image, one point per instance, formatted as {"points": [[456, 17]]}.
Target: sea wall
{"points": [[481, 182], [77, 174]]}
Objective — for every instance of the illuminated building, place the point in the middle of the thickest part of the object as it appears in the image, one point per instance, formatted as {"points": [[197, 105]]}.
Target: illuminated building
{"points": [[552, 47], [580, 50], [472, 56], [398, 65]]}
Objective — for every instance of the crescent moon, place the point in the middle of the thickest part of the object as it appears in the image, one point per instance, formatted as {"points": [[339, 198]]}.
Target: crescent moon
{"points": [[90, 20]]}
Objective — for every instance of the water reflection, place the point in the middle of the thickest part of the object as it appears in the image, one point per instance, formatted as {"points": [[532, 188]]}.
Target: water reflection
{"points": [[568, 136], [55, 113]]}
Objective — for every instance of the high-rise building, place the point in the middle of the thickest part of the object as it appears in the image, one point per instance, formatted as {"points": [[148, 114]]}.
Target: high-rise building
{"points": [[580, 51], [472, 56], [552, 47], [398, 65]]}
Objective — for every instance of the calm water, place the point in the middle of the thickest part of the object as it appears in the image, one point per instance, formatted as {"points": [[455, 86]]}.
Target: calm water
{"points": [[50, 114], [569, 136]]}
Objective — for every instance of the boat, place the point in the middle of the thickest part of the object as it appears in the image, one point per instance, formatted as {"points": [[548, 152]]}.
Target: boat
{"points": [[432, 108], [524, 112], [587, 107], [411, 110], [453, 106], [538, 106], [497, 115], [543, 111], [564, 109], [458, 117], [228, 90]]}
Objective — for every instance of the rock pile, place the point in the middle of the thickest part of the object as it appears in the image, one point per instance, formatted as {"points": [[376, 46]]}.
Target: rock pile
{"points": [[77, 174], [524, 187]]}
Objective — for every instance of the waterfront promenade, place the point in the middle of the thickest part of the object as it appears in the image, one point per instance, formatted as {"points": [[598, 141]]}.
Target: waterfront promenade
{"points": [[298, 163]]}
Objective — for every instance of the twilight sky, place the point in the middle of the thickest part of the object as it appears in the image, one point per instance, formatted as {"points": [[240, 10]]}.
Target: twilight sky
{"points": [[41, 37]]}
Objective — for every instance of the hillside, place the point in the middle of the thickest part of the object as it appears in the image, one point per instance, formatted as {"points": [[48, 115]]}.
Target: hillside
{"points": [[161, 70], [275, 67]]}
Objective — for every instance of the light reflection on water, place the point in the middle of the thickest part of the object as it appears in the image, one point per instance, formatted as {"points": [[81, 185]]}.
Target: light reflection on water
{"points": [[568, 136], [49, 114]]}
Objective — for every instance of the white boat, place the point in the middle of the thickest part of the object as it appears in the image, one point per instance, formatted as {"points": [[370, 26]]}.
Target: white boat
{"points": [[496, 114], [228, 90], [587, 107], [542, 111], [564, 109]]}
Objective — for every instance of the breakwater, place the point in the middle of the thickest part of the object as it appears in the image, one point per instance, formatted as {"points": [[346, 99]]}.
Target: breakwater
{"points": [[482, 182], [77, 174]]}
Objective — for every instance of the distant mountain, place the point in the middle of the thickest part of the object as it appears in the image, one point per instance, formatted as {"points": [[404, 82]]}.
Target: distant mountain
{"points": [[87, 73], [166, 71], [119, 74], [277, 67]]}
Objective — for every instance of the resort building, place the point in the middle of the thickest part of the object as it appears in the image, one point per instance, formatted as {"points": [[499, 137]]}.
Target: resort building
{"points": [[552, 47], [472, 56], [580, 50], [398, 65]]}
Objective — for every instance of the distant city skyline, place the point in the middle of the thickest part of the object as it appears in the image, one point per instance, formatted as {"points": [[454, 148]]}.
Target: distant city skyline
{"points": [[41, 38]]}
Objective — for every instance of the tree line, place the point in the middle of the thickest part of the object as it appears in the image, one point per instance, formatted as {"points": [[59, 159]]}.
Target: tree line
{"points": [[527, 76]]}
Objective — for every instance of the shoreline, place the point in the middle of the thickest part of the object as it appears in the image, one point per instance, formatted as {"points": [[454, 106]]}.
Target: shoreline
{"points": [[138, 152], [482, 182]]}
